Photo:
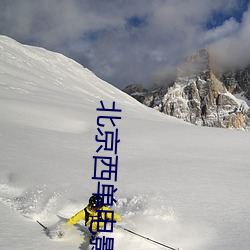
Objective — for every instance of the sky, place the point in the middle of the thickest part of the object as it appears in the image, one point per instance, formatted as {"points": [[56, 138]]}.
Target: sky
{"points": [[132, 41]]}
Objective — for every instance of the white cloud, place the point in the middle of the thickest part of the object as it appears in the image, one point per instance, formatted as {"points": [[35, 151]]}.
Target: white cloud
{"points": [[228, 28], [97, 32], [233, 50]]}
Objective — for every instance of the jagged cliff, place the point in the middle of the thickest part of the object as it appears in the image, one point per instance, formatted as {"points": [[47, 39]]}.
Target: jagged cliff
{"points": [[200, 96], [237, 81]]}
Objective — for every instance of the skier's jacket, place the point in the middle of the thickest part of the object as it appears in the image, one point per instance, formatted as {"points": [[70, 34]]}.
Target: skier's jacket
{"points": [[88, 215]]}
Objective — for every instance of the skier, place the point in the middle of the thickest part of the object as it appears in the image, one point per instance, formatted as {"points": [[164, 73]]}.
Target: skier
{"points": [[90, 213]]}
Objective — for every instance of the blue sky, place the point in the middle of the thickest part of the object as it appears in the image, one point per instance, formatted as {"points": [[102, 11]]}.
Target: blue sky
{"points": [[218, 17], [131, 41]]}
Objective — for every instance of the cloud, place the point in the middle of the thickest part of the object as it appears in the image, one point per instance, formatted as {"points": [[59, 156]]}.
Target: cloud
{"points": [[121, 41], [228, 28], [232, 50]]}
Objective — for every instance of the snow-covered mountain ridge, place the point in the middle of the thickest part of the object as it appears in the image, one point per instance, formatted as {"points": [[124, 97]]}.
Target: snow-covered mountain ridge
{"points": [[48, 123], [28, 63], [201, 96]]}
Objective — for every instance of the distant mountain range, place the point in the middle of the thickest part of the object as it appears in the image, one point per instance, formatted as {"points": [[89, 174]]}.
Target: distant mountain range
{"points": [[201, 94]]}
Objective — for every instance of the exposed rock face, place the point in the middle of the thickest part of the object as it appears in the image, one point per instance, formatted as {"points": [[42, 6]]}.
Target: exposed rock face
{"points": [[137, 91], [237, 81], [134, 88], [199, 97]]}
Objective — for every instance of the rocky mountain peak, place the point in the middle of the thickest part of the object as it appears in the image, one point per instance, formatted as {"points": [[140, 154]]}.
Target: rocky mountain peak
{"points": [[196, 64], [200, 96]]}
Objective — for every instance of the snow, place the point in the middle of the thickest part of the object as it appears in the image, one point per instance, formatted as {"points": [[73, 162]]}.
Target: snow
{"points": [[242, 99], [182, 185]]}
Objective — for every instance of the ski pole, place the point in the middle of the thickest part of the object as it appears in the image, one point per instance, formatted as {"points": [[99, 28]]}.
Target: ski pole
{"points": [[159, 243], [45, 228]]}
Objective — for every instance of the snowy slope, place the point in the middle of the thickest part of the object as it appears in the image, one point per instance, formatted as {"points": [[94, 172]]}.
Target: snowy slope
{"points": [[182, 185]]}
